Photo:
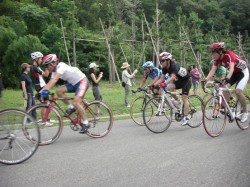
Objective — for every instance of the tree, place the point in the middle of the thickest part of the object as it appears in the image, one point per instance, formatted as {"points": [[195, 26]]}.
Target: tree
{"points": [[17, 53]]}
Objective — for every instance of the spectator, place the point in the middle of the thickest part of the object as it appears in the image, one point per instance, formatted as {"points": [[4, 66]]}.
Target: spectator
{"points": [[95, 82], [26, 85], [126, 79], [195, 78]]}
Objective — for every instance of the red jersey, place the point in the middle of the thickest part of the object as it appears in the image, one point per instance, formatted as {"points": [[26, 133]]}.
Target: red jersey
{"points": [[230, 56]]}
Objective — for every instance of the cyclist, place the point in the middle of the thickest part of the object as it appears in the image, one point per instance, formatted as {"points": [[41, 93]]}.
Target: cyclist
{"points": [[179, 79], [154, 73], [37, 73], [76, 82], [221, 72], [238, 73]]}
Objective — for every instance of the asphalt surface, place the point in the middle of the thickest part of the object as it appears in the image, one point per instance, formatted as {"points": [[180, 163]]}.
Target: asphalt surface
{"points": [[133, 156]]}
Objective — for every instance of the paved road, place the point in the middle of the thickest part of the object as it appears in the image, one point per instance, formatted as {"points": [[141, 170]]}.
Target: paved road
{"points": [[133, 156]]}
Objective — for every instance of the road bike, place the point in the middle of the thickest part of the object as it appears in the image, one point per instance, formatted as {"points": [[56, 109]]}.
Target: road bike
{"points": [[159, 111], [217, 111], [138, 105], [19, 136], [50, 113]]}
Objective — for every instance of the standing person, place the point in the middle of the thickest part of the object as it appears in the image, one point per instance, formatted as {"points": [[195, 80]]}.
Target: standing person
{"points": [[195, 74], [77, 83], [37, 73], [26, 84], [126, 79], [238, 73], [95, 82], [179, 79], [1, 85]]}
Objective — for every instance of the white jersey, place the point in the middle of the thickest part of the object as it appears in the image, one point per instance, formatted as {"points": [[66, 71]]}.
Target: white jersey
{"points": [[70, 74]]}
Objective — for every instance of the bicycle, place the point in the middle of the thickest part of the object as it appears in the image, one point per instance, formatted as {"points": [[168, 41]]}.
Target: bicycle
{"points": [[138, 105], [157, 114], [51, 123], [19, 136], [217, 110]]}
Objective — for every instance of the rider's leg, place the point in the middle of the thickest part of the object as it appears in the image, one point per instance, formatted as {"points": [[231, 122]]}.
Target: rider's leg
{"points": [[60, 92]]}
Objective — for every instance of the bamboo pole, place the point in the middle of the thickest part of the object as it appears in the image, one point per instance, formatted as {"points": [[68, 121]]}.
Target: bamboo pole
{"points": [[65, 41], [193, 52], [150, 34], [110, 52]]}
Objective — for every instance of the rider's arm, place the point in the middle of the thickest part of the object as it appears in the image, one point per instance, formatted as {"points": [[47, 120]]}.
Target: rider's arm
{"points": [[211, 73], [160, 79], [231, 70], [52, 82], [153, 81], [142, 82], [171, 78]]}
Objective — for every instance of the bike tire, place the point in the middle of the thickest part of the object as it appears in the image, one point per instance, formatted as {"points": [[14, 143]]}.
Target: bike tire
{"points": [[238, 111], [214, 121], [136, 110], [157, 122], [19, 136], [196, 107], [49, 121], [100, 122]]}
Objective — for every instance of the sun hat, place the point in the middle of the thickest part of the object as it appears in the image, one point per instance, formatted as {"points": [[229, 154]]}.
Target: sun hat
{"points": [[125, 65], [25, 65], [92, 65]]}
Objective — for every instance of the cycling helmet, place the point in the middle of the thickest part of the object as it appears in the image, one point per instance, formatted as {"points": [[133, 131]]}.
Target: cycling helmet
{"points": [[165, 56], [50, 58], [148, 64], [217, 46], [36, 55]]}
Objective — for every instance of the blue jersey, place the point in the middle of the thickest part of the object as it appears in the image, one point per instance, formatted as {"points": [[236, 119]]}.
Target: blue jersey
{"points": [[156, 72]]}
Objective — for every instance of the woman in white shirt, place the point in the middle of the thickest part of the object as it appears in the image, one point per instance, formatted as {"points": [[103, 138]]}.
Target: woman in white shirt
{"points": [[126, 79]]}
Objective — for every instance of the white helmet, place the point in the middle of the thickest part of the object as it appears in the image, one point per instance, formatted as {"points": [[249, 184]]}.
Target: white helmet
{"points": [[36, 55]]}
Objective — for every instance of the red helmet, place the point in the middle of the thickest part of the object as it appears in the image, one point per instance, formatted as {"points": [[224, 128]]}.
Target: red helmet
{"points": [[217, 46], [50, 58], [165, 56]]}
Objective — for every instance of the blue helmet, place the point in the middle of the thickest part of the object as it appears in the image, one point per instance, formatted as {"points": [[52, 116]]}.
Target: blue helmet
{"points": [[148, 64]]}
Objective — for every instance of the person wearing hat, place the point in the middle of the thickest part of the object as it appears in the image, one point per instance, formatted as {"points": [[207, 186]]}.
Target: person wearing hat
{"points": [[126, 79], [95, 81], [26, 85]]}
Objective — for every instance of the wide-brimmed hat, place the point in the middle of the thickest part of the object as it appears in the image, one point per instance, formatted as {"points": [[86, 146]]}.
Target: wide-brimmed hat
{"points": [[92, 65], [25, 65], [125, 65]]}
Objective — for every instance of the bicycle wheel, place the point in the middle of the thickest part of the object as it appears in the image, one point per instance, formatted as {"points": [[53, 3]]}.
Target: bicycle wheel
{"points": [[101, 121], [136, 110], [195, 110], [157, 117], [206, 97], [49, 121], [19, 136], [214, 119], [238, 112]]}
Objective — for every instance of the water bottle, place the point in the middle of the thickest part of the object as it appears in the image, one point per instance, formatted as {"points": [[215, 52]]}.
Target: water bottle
{"points": [[232, 102]]}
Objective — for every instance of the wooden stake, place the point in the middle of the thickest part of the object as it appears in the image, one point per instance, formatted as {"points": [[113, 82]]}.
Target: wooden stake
{"points": [[65, 41], [110, 52]]}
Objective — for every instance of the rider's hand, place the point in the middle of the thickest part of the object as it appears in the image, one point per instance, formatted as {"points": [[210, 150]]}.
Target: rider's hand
{"points": [[135, 71]]}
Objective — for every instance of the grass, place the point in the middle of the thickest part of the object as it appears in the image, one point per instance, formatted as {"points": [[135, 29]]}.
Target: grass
{"points": [[113, 95]]}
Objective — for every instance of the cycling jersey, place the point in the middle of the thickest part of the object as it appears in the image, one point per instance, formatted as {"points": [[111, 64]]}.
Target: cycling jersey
{"points": [[70, 74], [229, 56], [180, 72], [156, 72], [37, 77]]}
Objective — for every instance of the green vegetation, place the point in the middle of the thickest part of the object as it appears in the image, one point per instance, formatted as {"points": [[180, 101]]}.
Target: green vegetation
{"points": [[34, 25]]}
